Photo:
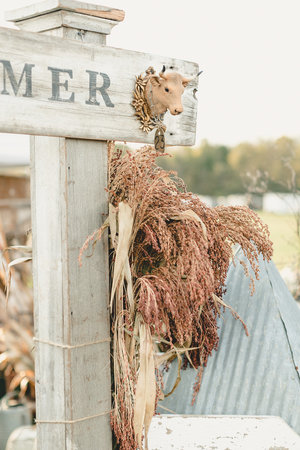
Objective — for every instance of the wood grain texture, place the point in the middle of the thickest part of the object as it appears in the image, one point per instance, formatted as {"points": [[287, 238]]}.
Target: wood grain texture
{"points": [[75, 383], [69, 20], [48, 6], [40, 116], [71, 303], [72, 33], [112, 14]]}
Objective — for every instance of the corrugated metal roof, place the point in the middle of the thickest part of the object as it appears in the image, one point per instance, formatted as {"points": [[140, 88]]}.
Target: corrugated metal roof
{"points": [[255, 375]]}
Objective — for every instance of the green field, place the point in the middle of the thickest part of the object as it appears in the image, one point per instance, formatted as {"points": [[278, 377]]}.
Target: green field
{"points": [[283, 235]]}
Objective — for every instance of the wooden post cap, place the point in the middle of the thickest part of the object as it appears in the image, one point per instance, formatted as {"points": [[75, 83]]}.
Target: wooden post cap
{"points": [[50, 6]]}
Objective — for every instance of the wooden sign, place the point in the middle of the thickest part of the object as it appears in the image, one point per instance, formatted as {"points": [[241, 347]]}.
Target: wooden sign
{"points": [[51, 87], [73, 88]]}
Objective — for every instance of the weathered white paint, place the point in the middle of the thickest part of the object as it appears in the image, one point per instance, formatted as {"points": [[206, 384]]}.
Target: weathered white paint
{"points": [[22, 438], [71, 303], [202, 432], [68, 202], [69, 20], [69, 177], [49, 6], [89, 37], [176, 432], [40, 116]]}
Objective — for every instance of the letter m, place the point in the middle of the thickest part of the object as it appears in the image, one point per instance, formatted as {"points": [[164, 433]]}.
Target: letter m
{"points": [[8, 73]]}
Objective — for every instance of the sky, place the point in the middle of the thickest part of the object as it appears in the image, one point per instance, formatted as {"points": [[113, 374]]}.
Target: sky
{"points": [[249, 51]]}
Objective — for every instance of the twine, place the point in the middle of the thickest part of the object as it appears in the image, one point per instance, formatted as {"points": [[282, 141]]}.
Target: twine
{"points": [[66, 346], [82, 419]]}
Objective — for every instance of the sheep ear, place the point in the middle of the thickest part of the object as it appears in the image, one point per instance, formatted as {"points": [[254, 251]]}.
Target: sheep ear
{"points": [[155, 80]]}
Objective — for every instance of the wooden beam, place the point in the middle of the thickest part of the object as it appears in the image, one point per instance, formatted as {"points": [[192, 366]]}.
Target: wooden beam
{"points": [[55, 86], [65, 103], [68, 183], [72, 322]]}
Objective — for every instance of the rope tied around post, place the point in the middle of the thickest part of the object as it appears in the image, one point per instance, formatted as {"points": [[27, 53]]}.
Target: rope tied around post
{"points": [[82, 419], [70, 347], [66, 346]]}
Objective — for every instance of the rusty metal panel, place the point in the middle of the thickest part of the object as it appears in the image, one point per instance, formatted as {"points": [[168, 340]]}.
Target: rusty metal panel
{"points": [[255, 375]]}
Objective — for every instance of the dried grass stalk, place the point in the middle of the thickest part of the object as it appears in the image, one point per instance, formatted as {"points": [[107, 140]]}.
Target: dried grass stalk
{"points": [[16, 321]]}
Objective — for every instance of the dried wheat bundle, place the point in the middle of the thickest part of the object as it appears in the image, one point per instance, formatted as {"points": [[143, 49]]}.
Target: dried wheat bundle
{"points": [[169, 258], [142, 109]]}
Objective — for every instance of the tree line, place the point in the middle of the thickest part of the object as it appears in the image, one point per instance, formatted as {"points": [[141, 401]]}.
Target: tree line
{"points": [[215, 170]]}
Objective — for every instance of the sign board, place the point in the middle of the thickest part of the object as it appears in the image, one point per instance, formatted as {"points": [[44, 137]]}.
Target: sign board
{"points": [[73, 86], [53, 87]]}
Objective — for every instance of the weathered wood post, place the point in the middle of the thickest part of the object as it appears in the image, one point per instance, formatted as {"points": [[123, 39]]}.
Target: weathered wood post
{"points": [[62, 85], [69, 176]]}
